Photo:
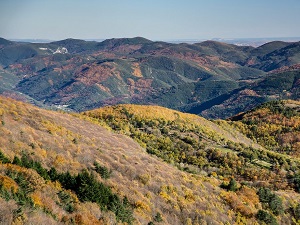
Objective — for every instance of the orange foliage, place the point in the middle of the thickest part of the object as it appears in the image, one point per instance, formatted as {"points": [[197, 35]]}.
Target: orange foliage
{"points": [[8, 183], [36, 198], [241, 201], [137, 70]]}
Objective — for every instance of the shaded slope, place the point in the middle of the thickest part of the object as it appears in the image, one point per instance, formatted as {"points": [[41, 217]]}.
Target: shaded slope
{"points": [[285, 56], [4, 42], [14, 53], [76, 45], [283, 84], [268, 48], [229, 52], [116, 42]]}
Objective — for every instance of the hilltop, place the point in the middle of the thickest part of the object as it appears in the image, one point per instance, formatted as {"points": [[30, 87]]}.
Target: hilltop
{"points": [[201, 78]]}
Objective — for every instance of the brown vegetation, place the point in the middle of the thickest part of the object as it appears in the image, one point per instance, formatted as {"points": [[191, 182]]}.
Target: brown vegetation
{"points": [[158, 192]]}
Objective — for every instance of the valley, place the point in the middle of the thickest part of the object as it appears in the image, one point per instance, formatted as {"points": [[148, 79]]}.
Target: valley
{"points": [[211, 79], [132, 131]]}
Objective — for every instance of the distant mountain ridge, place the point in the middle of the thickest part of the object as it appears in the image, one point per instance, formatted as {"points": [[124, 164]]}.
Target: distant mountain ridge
{"points": [[202, 78]]}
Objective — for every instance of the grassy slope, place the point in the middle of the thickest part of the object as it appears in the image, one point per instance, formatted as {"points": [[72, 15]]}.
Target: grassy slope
{"points": [[74, 142], [69, 143], [199, 146]]}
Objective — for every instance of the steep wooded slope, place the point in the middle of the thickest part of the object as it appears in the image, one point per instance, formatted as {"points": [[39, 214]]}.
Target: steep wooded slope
{"points": [[275, 125], [282, 83]]}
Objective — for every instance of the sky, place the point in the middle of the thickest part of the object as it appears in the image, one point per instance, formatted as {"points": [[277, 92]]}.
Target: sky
{"points": [[152, 19]]}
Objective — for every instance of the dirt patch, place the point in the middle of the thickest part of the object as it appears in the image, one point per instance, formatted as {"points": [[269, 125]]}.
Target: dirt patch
{"points": [[137, 70]]}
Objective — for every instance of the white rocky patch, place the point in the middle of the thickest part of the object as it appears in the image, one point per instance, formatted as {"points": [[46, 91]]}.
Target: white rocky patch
{"points": [[61, 50]]}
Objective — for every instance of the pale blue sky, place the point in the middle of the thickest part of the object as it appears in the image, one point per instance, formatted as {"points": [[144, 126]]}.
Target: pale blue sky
{"points": [[153, 19]]}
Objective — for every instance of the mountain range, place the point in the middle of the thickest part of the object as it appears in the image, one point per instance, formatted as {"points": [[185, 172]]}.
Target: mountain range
{"points": [[211, 79], [125, 143]]}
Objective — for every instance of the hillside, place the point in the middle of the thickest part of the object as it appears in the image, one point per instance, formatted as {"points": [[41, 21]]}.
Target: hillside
{"points": [[198, 146], [36, 140], [77, 75], [172, 168], [280, 84], [274, 125], [282, 56]]}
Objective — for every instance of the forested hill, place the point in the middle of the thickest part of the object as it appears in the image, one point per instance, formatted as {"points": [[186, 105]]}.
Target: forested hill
{"points": [[213, 79]]}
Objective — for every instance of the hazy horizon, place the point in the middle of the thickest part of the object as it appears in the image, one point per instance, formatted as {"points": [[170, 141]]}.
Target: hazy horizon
{"points": [[154, 20], [255, 42], [168, 39]]}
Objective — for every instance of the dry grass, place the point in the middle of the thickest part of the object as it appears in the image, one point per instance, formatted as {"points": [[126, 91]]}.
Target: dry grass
{"points": [[151, 185], [70, 143], [210, 129]]}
